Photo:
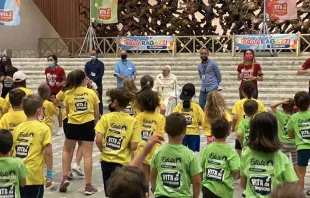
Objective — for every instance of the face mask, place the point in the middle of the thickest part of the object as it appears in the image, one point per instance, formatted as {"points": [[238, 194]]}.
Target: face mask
{"points": [[50, 63], [4, 63], [111, 109], [204, 58], [93, 58], [124, 56], [248, 57]]}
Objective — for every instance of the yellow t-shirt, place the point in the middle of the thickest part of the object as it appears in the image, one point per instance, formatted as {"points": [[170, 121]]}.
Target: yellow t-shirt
{"points": [[194, 117], [119, 129], [81, 102], [238, 110], [207, 125], [131, 109], [7, 105], [150, 123], [61, 97], [49, 110], [30, 139], [2, 106], [11, 119]]}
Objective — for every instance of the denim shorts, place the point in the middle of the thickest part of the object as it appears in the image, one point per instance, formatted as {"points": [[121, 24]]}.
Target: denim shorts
{"points": [[303, 157]]}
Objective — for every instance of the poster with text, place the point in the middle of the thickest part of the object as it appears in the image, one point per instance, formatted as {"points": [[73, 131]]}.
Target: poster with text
{"points": [[282, 9], [10, 12], [143, 43], [105, 11]]}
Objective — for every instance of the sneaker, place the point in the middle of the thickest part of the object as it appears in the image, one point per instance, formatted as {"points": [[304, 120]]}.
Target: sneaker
{"points": [[64, 185], [70, 175], [90, 190], [243, 194], [77, 169]]}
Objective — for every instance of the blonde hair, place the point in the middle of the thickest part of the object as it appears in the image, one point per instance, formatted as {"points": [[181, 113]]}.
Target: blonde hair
{"points": [[215, 107]]}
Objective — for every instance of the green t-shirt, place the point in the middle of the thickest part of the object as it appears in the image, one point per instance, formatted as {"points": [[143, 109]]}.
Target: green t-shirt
{"points": [[264, 171], [218, 160], [283, 119], [300, 124], [244, 129], [11, 171], [176, 165]]}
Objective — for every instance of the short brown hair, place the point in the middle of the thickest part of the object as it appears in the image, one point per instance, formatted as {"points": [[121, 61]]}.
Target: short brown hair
{"points": [[31, 103], [121, 95], [16, 97], [264, 133], [127, 182], [44, 92], [288, 190], [220, 128], [302, 100], [289, 107], [175, 124], [250, 107], [148, 100]]}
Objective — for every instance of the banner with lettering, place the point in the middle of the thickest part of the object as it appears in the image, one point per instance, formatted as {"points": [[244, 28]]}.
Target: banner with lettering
{"points": [[105, 11], [146, 42], [276, 41], [10, 12], [282, 9]]}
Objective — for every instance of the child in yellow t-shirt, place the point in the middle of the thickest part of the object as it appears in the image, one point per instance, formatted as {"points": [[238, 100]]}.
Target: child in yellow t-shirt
{"points": [[151, 122], [118, 134], [129, 85], [2, 102], [49, 110], [215, 108], [194, 117], [13, 118], [19, 82], [33, 144]]}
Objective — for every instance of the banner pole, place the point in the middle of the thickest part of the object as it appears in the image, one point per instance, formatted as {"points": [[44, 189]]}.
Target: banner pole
{"points": [[90, 25]]}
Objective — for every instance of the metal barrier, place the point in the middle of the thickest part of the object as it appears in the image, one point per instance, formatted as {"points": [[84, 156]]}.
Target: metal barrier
{"points": [[71, 47]]}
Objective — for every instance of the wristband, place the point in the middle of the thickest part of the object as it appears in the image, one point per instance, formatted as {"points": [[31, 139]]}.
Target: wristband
{"points": [[49, 174]]}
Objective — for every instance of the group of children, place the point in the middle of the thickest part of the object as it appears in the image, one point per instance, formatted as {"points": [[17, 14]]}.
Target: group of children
{"points": [[131, 134]]}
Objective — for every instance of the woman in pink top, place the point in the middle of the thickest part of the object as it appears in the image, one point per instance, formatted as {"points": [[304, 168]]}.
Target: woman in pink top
{"points": [[249, 70]]}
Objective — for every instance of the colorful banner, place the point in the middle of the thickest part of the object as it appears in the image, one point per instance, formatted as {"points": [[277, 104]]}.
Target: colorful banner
{"points": [[282, 9], [10, 12], [276, 41], [105, 11], [146, 43]]}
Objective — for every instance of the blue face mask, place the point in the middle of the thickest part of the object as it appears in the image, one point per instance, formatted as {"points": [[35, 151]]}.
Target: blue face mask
{"points": [[50, 63], [93, 58]]}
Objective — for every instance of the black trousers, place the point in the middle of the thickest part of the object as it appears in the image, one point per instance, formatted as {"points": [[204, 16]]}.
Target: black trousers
{"points": [[107, 169], [206, 193], [32, 191], [99, 90]]}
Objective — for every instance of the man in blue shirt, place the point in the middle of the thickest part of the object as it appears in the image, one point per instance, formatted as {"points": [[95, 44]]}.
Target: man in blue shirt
{"points": [[124, 69], [94, 70], [210, 76]]}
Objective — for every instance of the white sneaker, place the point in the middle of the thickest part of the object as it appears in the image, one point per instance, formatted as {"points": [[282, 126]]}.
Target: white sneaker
{"points": [[60, 132], [77, 169]]}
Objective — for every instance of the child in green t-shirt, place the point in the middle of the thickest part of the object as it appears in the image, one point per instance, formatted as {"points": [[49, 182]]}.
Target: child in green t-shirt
{"points": [[250, 108], [289, 145], [299, 127], [220, 163], [174, 166], [263, 165], [12, 170]]}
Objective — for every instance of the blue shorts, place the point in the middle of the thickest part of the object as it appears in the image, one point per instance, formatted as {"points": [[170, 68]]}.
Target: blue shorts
{"points": [[303, 157], [192, 142]]}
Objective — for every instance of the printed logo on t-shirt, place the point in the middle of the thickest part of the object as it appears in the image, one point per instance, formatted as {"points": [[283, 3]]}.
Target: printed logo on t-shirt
{"points": [[129, 110], [304, 126], [22, 151], [148, 128], [7, 191], [117, 129], [42, 116], [171, 179], [188, 113], [246, 74], [217, 159], [51, 79], [215, 174], [7, 84], [146, 134], [261, 165], [171, 162], [7, 176], [114, 143], [24, 142], [81, 106], [261, 184]]}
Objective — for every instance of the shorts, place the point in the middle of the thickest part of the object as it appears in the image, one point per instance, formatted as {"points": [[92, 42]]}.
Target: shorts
{"points": [[192, 142], [238, 145], [107, 169], [81, 132], [30, 191], [206, 193], [303, 157], [290, 151], [65, 125]]}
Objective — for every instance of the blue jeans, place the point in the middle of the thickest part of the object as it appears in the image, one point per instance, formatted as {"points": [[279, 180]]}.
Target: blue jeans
{"points": [[203, 98]]}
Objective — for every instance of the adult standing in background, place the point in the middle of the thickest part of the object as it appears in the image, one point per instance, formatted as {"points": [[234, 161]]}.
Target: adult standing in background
{"points": [[6, 74], [249, 70], [55, 79], [304, 70], [124, 69], [210, 76], [94, 70]]}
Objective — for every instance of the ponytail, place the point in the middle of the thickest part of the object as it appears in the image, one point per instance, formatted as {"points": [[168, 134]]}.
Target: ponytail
{"points": [[146, 87], [186, 104]]}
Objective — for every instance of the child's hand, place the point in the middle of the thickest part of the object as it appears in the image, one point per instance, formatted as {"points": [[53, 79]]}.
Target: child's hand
{"points": [[285, 101], [152, 141], [48, 183], [52, 98]]}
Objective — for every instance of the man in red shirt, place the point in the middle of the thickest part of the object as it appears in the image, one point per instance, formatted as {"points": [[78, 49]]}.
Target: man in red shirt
{"points": [[55, 79], [305, 69]]}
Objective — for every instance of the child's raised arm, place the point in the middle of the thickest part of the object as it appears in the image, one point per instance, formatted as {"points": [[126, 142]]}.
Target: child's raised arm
{"points": [[275, 105]]}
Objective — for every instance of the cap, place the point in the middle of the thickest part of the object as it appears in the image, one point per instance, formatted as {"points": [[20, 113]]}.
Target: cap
{"points": [[188, 91], [19, 76]]}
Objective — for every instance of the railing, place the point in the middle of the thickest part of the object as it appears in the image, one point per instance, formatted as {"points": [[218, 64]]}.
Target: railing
{"points": [[72, 47]]}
